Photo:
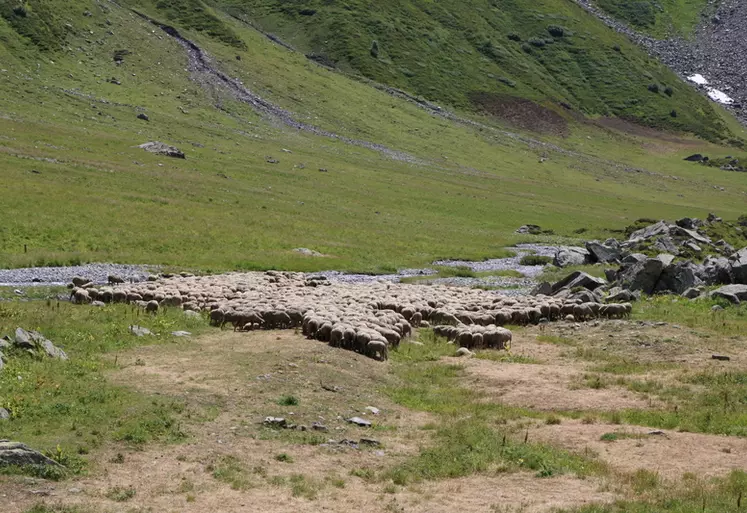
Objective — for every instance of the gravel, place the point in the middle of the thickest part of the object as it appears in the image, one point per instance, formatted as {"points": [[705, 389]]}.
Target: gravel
{"points": [[98, 273]]}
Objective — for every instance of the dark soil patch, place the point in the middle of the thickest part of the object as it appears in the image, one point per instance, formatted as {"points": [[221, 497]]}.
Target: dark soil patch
{"points": [[521, 113], [629, 127]]}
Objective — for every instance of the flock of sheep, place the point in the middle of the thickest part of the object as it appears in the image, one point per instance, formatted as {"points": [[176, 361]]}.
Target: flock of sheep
{"points": [[367, 318]]}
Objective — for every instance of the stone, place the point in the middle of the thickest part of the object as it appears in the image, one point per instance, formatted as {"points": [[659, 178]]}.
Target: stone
{"points": [[738, 263], [642, 276], [143, 116], [660, 228], [720, 357], [578, 279], [602, 253], [373, 409], [542, 289], [18, 454], [317, 426], [359, 422], [731, 291], [724, 247], [531, 229], [275, 422], [677, 278], [23, 339], [666, 258], [692, 293], [695, 157], [308, 252], [139, 331], [464, 352], [52, 350], [715, 271], [35, 341], [713, 218], [620, 295], [98, 304], [611, 275], [717, 308], [634, 258], [370, 442], [571, 255], [160, 148], [690, 244], [666, 244], [687, 223], [4, 414], [693, 234], [192, 314], [181, 333]]}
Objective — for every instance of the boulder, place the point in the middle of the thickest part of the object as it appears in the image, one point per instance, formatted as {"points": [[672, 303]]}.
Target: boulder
{"points": [[692, 246], [543, 289], [578, 279], [738, 263], [642, 276], [666, 258], [4, 414], [160, 148], [139, 331], [677, 278], [620, 295], [571, 255], [660, 228], [739, 291], [634, 258], [36, 342], [666, 244], [692, 293], [696, 157], [724, 247], [684, 232], [603, 253], [17, 454], [687, 223], [719, 294], [715, 271]]}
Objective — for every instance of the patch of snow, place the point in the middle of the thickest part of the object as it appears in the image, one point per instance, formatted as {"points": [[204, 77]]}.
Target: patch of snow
{"points": [[719, 96], [698, 79]]}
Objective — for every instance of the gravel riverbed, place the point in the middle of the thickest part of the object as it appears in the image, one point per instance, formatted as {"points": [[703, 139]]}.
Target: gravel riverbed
{"points": [[97, 273]]}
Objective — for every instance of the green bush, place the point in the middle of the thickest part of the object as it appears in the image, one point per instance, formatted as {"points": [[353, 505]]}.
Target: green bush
{"points": [[535, 260]]}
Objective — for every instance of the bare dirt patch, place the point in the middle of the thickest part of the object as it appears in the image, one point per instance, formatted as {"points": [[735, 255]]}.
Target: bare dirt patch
{"points": [[671, 454], [235, 380], [521, 113]]}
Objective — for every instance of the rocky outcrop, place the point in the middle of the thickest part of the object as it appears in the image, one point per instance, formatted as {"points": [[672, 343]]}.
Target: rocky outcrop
{"points": [[160, 148], [677, 278], [37, 344], [578, 279], [610, 252], [18, 455], [642, 276]]}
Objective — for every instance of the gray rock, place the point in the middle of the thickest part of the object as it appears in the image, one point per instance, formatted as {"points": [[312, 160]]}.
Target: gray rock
{"points": [[725, 248], [139, 331], [731, 298], [677, 278], [578, 279], [4, 414], [653, 230], [684, 232], [192, 314], [463, 351], [720, 357], [690, 244], [713, 218], [602, 253], [619, 295], [308, 252], [98, 304], [715, 271], [666, 244], [692, 293], [642, 276], [611, 275], [687, 223], [571, 255], [738, 291], [666, 258], [18, 454], [531, 229], [542, 289], [275, 422], [181, 333], [52, 350], [143, 116], [23, 339], [160, 148], [370, 441], [717, 308], [738, 263], [35, 341], [634, 258], [359, 422]]}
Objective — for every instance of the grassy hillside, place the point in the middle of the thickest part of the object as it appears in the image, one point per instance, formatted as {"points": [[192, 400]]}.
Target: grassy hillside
{"points": [[76, 187], [661, 18], [453, 51]]}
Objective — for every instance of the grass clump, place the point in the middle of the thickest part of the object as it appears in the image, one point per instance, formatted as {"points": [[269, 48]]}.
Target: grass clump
{"points": [[535, 260], [288, 400], [120, 493], [231, 471]]}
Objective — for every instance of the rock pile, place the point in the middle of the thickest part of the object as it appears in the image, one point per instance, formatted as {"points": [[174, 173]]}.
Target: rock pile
{"points": [[369, 318], [30, 342]]}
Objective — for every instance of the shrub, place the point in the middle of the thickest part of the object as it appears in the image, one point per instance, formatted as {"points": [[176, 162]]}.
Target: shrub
{"points": [[557, 30], [526, 48], [288, 400], [534, 260], [654, 88], [513, 36], [507, 81], [375, 49], [539, 43], [673, 113], [668, 91]]}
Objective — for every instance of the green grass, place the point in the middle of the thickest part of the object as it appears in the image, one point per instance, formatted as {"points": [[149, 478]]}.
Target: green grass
{"points": [[502, 48], [661, 18], [120, 494], [731, 321], [691, 495], [465, 200], [231, 471], [471, 435], [70, 407]]}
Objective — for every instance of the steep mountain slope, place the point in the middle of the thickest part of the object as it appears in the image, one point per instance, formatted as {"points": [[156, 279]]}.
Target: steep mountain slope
{"points": [[401, 185], [661, 18], [455, 51]]}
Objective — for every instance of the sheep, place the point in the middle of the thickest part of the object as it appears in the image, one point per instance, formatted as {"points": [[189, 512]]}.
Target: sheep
{"points": [[151, 307], [378, 350]]}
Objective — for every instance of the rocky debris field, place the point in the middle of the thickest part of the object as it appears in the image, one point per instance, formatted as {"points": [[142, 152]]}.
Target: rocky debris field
{"points": [[368, 318], [96, 273], [718, 52], [31, 343]]}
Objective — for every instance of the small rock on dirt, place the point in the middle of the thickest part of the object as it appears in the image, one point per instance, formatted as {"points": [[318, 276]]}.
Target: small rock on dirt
{"points": [[370, 442], [463, 351], [160, 148], [144, 117], [18, 454], [373, 410], [359, 422], [181, 333], [275, 422], [720, 357]]}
